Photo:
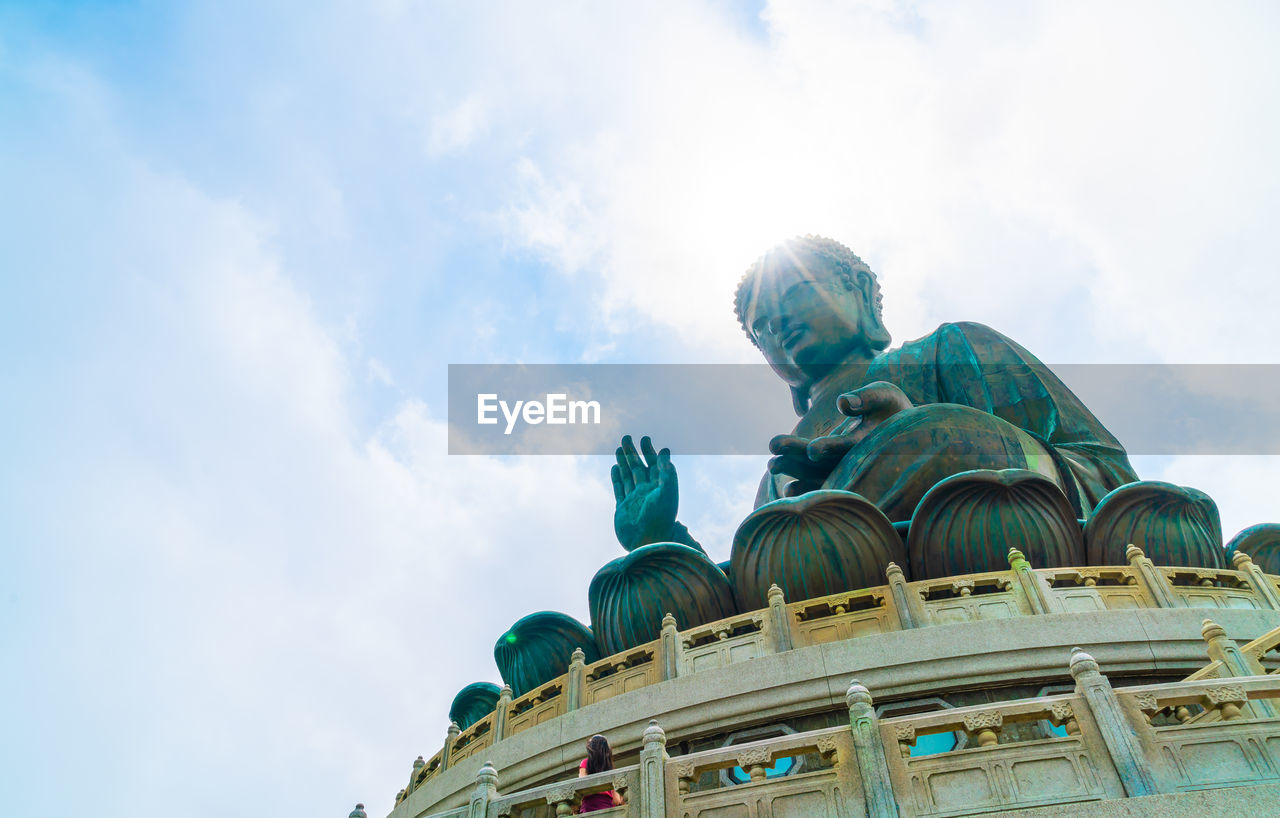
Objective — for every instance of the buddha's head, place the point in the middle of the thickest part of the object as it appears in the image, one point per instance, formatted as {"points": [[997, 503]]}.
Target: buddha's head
{"points": [[810, 305]]}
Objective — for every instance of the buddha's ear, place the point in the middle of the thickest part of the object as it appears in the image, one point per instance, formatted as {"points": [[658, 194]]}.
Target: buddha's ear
{"points": [[800, 399], [873, 328]]}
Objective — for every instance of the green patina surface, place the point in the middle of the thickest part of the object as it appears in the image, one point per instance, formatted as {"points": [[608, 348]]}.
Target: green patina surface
{"points": [[963, 438]]}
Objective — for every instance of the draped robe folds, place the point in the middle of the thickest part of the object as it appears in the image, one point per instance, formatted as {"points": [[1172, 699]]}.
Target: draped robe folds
{"points": [[979, 401]]}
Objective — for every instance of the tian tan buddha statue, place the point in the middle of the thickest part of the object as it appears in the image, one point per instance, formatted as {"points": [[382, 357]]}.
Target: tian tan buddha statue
{"points": [[939, 456]]}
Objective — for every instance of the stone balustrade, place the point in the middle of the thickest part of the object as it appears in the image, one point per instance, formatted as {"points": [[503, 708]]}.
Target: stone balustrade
{"points": [[1020, 591], [1113, 744]]}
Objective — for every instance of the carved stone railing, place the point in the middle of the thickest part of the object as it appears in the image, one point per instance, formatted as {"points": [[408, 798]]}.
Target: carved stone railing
{"points": [[1262, 650], [818, 788], [562, 798], [1114, 743], [537, 706], [1209, 733], [620, 673], [724, 642], [1021, 591], [1000, 766], [843, 616]]}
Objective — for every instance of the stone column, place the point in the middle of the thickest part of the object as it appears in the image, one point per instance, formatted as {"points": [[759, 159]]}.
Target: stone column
{"points": [[1034, 588], [500, 713], [1117, 730], [577, 679], [450, 738], [868, 750], [1257, 580], [779, 620], [1235, 662], [1152, 578], [485, 791], [905, 601], [418, 764], [651, 795], [670, 644]]}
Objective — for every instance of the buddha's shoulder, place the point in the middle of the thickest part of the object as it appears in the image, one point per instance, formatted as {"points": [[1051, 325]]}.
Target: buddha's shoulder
{"points": [[952, 333]]}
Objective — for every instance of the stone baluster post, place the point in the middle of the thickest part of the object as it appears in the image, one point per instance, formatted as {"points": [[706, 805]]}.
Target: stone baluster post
{"points": [[1235, 662], [1152, 578], [1035, 589], [418, 764], [577, 680], [905, 601], [779, 620], [1257, 580], [1118, 732], [485, 791], [670, 645], [652, 791], [450, 738], [868, 749], [358, 812], [500, 713]]}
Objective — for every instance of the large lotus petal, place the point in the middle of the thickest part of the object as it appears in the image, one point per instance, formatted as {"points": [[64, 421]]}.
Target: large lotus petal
{"points": [[967, 523], [538, 648], [1173, 525], [473, 702], [1262, 543], [819, 543], [630, 595]]}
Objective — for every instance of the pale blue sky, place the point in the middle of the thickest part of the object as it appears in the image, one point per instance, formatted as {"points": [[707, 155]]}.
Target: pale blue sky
{"points": [[240, 243]]}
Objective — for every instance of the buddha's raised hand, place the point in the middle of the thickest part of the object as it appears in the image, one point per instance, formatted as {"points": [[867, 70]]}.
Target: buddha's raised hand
{"points": [[647, 495]]}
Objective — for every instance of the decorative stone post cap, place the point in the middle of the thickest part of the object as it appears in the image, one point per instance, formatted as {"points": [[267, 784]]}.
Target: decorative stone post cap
{"points": [[418, 763], [487, 774], [579, 656], [892, 568], [358, 812], [1133, 552], [857, 694], [505, 692], [653, 734], [1241, 560], [775, 592], [1082, 663], [454, 729], [668, 621], [1211, 630], [1015, 555]]}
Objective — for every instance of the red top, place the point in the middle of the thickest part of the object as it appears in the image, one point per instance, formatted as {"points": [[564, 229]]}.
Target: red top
{"points": [[597, 800]]}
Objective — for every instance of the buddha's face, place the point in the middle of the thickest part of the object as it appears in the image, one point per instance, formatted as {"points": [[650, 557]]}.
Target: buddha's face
{"points": [[806, 320]]}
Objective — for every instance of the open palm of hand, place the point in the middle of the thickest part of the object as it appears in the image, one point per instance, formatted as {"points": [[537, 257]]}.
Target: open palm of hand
{"points": [[646, 494]]}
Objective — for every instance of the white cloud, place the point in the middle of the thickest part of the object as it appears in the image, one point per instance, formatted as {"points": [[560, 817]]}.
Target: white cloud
{"points": [[265, 580], [455, 128]]}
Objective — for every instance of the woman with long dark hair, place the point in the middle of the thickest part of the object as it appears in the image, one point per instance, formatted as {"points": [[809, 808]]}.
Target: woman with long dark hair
{"points": [[599, 758]]}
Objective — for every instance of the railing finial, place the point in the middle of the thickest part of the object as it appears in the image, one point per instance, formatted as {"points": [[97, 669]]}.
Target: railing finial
{"points": [[1211, 630], [1082, 663], [653, 734], [857, 694]]}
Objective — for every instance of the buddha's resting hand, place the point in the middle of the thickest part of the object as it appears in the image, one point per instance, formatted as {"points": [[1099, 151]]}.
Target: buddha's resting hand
{"points": [[647, 495], [810, 461]]}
